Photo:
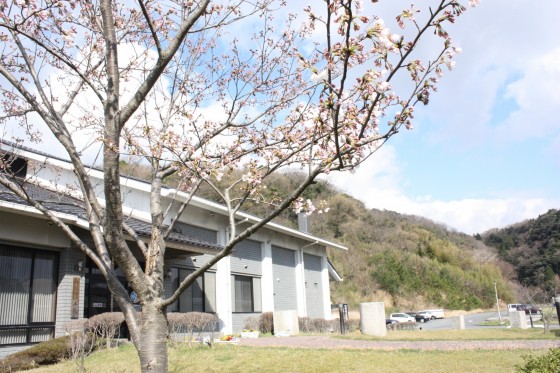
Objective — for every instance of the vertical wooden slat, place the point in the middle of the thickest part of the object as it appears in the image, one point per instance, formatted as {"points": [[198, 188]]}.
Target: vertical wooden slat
{"points": [[75, 301]]}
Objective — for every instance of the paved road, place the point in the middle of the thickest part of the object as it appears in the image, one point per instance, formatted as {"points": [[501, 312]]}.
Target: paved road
{"points": [[472, 321]]}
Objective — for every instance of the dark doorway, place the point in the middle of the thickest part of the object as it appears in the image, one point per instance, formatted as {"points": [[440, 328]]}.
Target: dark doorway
{"points": [[98, 299]]}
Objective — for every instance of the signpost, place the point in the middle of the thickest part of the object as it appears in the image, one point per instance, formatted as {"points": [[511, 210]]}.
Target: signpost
{"points": [[342, 316]]}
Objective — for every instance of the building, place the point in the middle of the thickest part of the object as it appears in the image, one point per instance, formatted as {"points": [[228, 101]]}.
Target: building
{"points": [[45, 281]]}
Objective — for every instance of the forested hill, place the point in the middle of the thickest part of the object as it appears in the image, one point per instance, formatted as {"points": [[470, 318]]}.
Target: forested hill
{"points": [[407, 261], [533, 248]]}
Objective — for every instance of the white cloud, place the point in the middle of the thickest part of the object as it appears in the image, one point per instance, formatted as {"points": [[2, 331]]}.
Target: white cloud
{"points": [[538, 98], [378, 184], [501, 40], [379, 172]]}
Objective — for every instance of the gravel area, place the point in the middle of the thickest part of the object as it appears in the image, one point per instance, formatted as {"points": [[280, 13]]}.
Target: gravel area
{"points": [[330, 342]]}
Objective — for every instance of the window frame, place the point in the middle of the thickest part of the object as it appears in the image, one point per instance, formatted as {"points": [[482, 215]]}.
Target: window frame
{"points": [[255, 293], [29, 327], [208, 305]]}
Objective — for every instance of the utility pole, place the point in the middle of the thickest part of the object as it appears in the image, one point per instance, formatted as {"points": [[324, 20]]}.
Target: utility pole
{"points": [[497, 302]]}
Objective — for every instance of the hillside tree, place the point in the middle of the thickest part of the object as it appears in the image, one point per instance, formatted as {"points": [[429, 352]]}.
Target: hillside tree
{"points": [[198, 89]]}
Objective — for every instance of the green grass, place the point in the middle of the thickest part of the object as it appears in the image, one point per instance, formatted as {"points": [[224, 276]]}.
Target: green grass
{"points": [[250, 359], [233, 358], [489, 334]]}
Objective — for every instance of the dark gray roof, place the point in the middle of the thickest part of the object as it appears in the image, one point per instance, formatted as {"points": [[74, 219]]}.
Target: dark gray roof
{"points": [[60, 203]]}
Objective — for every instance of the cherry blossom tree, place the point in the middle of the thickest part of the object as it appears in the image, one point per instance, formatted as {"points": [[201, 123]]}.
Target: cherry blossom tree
{"points": [[203, 91]]}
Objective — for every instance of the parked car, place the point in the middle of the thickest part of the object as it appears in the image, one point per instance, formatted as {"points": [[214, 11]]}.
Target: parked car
{"points": [[427, 314], [529, 309], [418, 316], [401, 317], [513, 306], [439, 313]]}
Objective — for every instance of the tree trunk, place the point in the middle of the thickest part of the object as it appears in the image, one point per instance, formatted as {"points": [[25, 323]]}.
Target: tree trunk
{"points": [[151, 339]]}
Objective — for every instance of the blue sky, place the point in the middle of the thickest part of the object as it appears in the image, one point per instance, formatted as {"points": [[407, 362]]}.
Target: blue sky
{"points": [[485, 153]]}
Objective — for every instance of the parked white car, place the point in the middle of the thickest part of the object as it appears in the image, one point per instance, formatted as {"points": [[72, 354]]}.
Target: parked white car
{"points": [[427, 314], [513, 306], [439, 313], [401, 317]]}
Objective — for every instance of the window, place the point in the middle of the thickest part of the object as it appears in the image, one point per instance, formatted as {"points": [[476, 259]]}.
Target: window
{"points": [[199, 233], [27, 295], [199, 297], [13, 165], [246, 293]]}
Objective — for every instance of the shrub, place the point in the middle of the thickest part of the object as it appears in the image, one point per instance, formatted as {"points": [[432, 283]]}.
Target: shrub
{"points": [[81, 341], [335, 325], [174, 324], [191, 322], [266, 323], [106, 325], [350, 325], [49, 352], [200, 322], [547, 363], [305, 325], [252, 323], [308, 325], [321, 325]]}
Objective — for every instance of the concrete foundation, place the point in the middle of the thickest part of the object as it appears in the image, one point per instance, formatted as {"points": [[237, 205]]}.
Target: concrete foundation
{"points": [[372, 319]]}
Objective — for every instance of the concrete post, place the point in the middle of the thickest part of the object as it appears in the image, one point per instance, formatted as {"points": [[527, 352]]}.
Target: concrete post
{"points": [[458, 322], [518, 319], [285, 323], [372, 319]]}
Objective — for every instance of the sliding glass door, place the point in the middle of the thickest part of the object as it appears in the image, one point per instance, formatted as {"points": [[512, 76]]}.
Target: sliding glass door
{"points": [[28, 282]]}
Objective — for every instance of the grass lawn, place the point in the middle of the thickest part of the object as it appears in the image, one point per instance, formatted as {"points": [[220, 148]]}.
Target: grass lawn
{"points": [[489, 334], [231, 358]]}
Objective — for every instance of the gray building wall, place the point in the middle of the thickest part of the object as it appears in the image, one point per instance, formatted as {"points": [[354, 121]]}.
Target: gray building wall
{"points": [[246, 258], [199, 233], [238, 321], [313, 285], [68, 261], [284, 278]]}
